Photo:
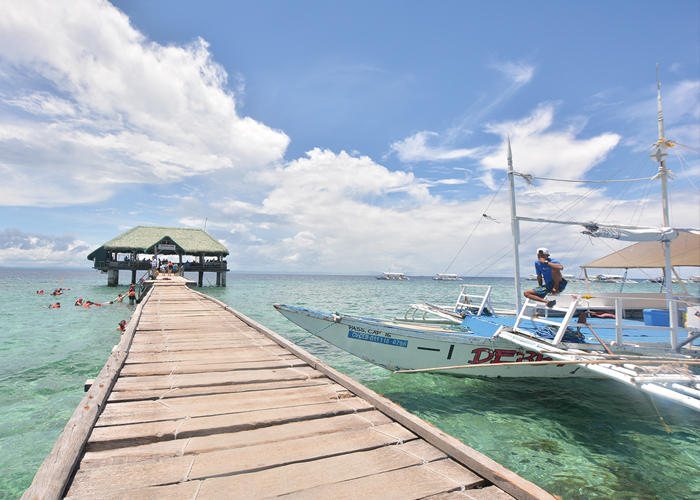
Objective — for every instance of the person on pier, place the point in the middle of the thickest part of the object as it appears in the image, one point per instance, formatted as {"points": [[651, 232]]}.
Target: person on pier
{"points": [[549, 278]]}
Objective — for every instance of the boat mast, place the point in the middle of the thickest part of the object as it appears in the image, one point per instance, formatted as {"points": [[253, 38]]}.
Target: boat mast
{"points": [[515, 229], [660, 155]]}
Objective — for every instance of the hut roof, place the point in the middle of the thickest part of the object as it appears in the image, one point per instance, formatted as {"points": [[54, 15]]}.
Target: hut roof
{"points": [[143, 239]]}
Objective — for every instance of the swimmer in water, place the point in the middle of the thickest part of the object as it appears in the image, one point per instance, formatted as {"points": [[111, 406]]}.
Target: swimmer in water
{"points": [[55, 306]]}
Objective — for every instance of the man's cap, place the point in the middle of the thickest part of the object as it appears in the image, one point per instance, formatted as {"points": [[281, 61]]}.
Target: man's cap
{"points": [[543, 250]]}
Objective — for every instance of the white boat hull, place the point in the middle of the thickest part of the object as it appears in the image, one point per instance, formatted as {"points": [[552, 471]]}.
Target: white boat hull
{"points": [[397, 346]]}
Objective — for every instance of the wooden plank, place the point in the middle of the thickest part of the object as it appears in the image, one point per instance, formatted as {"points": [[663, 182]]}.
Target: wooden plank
{"points": [[226, 440], [168, 470], [217, 404], [166, 347], [306, 475], [150, 432], [180, 491], [200, 367], [212, 378], [197, 355], [403, 484], [486, 493], [300, 381], [263, 456], [94, 481]]}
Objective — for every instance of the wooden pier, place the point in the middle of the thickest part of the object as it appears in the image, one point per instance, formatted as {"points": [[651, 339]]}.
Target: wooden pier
{"points": [[199, 402]]}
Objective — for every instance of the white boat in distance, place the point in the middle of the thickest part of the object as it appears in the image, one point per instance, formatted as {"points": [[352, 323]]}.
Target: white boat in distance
{"points": [[393, 276], [533, 344], [447, 277]]}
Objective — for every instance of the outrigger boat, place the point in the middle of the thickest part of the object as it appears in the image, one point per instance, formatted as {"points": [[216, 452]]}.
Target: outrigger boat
{"points": [[393, 276], [471, 338], [447, 277]]}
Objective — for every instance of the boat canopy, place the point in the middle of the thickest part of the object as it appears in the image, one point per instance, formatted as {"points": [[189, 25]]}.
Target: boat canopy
{"points": [[685, 252], [633, 233]]}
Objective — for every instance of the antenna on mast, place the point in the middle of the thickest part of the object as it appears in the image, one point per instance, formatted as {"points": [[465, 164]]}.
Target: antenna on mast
{"points": [[205, 223], [662, 135]]}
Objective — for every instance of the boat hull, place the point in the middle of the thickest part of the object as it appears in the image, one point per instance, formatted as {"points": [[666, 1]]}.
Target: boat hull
{"points": [[397, 346]]}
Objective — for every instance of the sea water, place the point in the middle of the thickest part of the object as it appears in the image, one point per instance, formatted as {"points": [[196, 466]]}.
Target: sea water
{"points": [[578, 439]]}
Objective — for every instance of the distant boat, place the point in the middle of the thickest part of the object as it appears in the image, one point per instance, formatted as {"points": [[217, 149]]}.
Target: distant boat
{"points": [[447, 277], [393, 276]]}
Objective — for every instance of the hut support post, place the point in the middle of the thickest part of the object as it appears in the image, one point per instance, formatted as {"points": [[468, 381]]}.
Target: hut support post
{"points": [[113, 277]]}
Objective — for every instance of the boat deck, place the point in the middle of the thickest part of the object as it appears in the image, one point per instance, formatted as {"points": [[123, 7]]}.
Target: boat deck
{"points": [[200, 402]]}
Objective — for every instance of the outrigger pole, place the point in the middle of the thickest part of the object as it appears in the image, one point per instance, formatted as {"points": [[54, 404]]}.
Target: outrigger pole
{"points": [[515, 228]]}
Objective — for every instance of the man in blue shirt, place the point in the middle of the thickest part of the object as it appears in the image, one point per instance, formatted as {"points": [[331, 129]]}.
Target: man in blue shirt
{"points": [[549, 278]]}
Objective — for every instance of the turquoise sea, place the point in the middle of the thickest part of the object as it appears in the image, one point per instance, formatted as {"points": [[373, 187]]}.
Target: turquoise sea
{"points": [[578, 439]]}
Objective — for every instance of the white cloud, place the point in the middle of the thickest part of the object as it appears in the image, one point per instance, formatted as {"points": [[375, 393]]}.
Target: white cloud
{"points": [[518, 73], [540, 149], [130, 110], [42, 103], [415, 148], [18, 248], [335, 212]]}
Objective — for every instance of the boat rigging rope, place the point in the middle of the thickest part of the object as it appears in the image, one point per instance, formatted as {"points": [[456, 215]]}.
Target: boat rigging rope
{"points": [[681, 160], [668, 429], [312, 334], [484, 216], [601, 240], [529, 178]]}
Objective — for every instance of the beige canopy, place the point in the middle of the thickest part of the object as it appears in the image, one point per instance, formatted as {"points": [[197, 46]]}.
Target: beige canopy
{"points": [[685, 251]]}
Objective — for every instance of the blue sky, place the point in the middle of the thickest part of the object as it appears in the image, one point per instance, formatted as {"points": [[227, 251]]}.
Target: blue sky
{"points": [[339, 137]]}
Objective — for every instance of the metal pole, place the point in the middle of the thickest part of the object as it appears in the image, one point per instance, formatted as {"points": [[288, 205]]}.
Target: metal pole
{"points": [[515, 229]]}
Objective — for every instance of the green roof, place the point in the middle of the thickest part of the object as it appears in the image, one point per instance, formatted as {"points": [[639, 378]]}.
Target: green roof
{"points": [[142, 239]]}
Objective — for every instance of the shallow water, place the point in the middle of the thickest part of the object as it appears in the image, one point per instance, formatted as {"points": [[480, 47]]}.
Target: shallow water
{"points": [[578, 439]]}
